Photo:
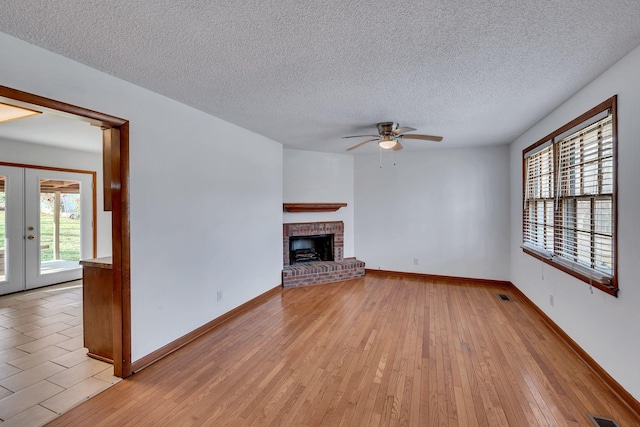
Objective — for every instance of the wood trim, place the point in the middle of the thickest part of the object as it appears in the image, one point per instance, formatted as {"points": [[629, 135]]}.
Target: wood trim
{"points": [[109, 137], [438, 278], [164, 351], [614, 112], [50, 168], [94, 205], [98, 357], [312, 207], [597, 370], [121, 245], [42, 104], [94, 202], [604, 288], [121, 254]]}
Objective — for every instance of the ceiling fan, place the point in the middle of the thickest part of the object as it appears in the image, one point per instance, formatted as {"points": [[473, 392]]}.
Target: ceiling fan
{"points": [[389, 134]]}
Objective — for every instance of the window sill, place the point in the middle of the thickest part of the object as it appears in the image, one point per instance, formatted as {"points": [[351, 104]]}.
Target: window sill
{"points": [[604, 287]]}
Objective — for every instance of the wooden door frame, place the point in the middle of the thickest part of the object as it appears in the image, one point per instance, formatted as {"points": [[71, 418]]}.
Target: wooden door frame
{"points": [[120, 228]]}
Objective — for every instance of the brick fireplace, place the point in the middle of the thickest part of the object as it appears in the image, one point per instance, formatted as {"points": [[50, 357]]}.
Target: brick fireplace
{"points": [[323, 271]]}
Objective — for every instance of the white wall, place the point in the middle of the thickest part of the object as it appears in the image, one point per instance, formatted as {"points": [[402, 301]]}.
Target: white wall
{"points": [[449, 209], [43, 155], [204, 194], [312, 177], [604, 326]]}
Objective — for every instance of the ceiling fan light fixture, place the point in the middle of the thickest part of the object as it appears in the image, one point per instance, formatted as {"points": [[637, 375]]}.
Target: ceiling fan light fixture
{"points": [[387, 142]]}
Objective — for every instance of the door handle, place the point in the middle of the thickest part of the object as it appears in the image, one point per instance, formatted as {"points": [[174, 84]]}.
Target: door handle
{"points": [[31, 237]]}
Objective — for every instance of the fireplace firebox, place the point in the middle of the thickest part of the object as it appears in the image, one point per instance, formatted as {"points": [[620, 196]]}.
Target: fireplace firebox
{"points": [[306, 230], [310, 248]]}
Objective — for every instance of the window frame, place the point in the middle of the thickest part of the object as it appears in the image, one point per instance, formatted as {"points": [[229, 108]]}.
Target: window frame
{"points": [[584, 274]]}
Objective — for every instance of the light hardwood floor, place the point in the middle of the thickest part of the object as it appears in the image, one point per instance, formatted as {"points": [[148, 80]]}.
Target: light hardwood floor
{"points": [[44, 369], [379, 350]]}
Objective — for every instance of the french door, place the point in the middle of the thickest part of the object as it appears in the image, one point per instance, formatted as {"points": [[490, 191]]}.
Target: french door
{"points": [[46, 226]]}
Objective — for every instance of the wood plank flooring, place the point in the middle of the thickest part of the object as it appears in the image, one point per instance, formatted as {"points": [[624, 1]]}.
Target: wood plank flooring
{"points": [[376, 351]]}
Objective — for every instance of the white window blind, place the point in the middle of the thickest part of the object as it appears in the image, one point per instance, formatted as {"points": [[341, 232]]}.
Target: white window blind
{"points": [[585, 208], [568, 212], [539, 200]]}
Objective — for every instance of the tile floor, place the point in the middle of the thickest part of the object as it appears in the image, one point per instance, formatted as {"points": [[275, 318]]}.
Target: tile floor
{"points": [[44, 369]]}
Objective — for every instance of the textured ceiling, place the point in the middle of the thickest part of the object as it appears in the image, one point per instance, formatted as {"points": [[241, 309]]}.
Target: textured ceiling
{"points": [[307, 73]]}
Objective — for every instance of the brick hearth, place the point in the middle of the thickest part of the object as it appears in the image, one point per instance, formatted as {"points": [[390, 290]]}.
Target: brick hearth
{"points": [[312, 273]]}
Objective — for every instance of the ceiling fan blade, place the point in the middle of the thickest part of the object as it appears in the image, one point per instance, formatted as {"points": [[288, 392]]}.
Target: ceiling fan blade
{"points": [[402, 130], [362, 143], [424, 137], [397, 147], [360, 136]]}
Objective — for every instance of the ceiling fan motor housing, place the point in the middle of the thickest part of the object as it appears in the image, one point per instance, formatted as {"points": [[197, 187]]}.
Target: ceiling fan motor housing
{"points": [[385, 128]]}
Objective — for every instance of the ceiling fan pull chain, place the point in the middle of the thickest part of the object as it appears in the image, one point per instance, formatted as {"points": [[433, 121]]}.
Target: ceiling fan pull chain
{"points": [[380, 150]]}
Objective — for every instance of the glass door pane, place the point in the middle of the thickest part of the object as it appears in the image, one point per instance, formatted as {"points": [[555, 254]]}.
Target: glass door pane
{"points": [[11, 229], [59, 225]]}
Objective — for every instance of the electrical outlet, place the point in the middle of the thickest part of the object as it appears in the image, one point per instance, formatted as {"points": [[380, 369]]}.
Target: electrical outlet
{"points": [[415, 261], [551, 300], [219, 296]]}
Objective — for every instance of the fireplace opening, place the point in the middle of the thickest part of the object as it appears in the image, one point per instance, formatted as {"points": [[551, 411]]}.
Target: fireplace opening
{"points": [[310, 248]]}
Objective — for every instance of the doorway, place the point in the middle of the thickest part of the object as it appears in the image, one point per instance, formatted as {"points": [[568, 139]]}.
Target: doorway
{"points": [[46, 226], [116, 170]]}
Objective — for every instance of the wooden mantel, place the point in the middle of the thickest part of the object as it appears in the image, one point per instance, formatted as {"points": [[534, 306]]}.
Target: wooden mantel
{"points": [[312, 207]]}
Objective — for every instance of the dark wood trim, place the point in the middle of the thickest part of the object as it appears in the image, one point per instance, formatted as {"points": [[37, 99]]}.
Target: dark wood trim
{"points": [[42, 104], [604, 288], [120, 213], [50, 168], [312, 207], [109, 137], [116, 242], [164, 351], [98, 357], [438, 278], [94, 202], [94, 206], [597, 370], [125, 248], [121, 253]]}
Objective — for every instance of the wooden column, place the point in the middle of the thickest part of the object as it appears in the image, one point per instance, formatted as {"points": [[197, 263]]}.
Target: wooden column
{"points": [[109, 137]]}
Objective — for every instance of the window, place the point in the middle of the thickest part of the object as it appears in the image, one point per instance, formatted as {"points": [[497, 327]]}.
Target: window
{"points": [[569, 210]]}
